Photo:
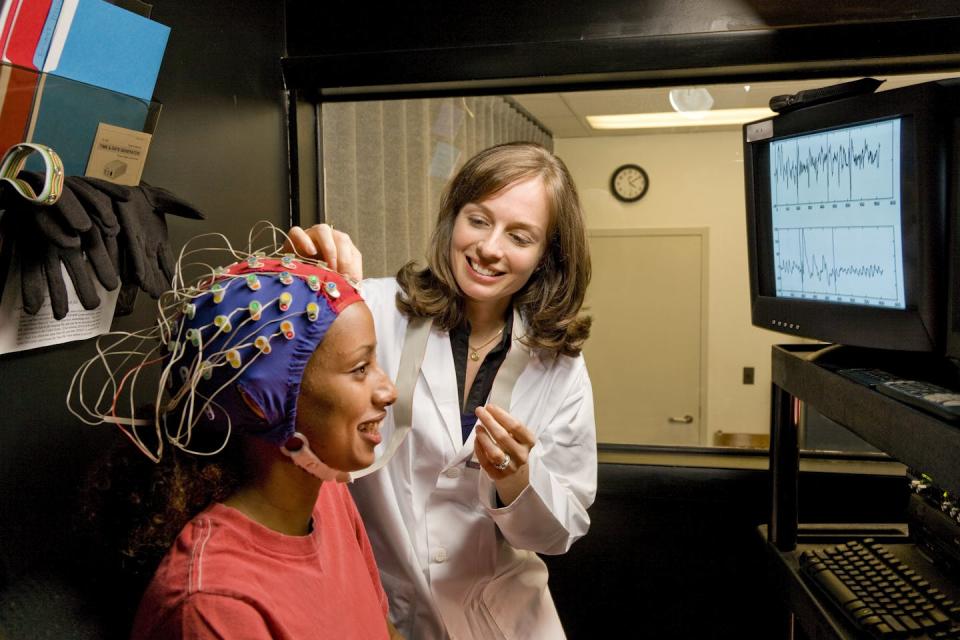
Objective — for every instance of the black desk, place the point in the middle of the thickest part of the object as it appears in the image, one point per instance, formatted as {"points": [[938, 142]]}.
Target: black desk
{"points": [[917, 439], [815, 614]]}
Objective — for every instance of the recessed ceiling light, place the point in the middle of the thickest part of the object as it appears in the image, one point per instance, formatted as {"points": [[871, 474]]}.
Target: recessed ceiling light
{"points": [[690, 99], [669, 119]]}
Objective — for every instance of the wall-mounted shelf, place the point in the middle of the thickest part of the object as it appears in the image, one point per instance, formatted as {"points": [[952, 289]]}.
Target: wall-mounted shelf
{"points": [[915, 438]]}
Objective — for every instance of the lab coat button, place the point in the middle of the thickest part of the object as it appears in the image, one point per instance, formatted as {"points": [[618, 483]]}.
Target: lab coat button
{"points": [[452, 472], [440, 555]]}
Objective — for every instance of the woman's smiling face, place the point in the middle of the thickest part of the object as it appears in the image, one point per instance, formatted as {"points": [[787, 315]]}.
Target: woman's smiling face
{"points": [[344, 393], [497, 243]]}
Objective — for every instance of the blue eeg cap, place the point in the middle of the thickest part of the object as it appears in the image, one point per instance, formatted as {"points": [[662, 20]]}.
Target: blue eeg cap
{"points": [[253, 329]]}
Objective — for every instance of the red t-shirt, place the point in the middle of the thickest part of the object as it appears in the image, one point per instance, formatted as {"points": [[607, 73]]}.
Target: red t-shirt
{"points": [[227, 576]]}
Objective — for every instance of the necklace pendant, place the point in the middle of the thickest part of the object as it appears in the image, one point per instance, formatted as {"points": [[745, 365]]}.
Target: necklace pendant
{"points": [[475, 351]]}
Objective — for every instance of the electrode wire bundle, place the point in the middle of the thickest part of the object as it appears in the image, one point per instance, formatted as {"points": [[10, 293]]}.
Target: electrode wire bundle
{"points": [[105, 390]]}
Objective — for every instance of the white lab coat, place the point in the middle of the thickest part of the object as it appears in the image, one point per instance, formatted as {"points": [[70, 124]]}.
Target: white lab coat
{"points": [[452, 563]]}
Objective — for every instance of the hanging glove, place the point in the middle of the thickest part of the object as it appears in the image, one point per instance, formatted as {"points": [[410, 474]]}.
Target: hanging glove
{"points": [[145, 255], [47, 236], [90, 214], [99, 207]]}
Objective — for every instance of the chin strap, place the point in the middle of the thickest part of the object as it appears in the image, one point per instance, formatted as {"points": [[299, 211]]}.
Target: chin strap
{"points": [[411, 359], [304, 457]]}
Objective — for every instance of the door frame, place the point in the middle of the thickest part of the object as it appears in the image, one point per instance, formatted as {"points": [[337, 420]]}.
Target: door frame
{"points": [[704, 234]]}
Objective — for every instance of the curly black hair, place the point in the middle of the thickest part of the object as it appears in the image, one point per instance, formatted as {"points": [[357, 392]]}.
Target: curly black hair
{"points": [[131, 511]]}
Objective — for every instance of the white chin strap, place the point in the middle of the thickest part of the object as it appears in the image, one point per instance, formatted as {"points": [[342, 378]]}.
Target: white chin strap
{"points": [[306, 459], [411, 360]]}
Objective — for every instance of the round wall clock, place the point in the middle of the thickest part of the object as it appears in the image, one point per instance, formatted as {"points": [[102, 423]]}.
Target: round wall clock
{"points": [[629, 183]]}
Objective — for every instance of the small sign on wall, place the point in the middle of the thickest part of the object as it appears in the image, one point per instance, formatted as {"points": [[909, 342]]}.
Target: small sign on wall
{"points": [[118, 155]]}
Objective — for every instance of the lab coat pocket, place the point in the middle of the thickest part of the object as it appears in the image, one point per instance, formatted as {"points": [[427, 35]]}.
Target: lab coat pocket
{"points": [[517, 601], [400, 593]]}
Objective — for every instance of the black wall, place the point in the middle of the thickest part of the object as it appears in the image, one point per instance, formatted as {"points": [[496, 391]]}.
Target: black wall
{"points": [[536, 45], [350, 27], [220, 144]]}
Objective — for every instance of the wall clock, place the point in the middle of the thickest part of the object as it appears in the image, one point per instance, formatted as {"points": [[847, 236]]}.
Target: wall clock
{"points": [[629, 183]]}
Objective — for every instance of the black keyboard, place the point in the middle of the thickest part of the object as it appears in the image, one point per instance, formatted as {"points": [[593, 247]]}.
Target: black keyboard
{"points": [[879, 594]]}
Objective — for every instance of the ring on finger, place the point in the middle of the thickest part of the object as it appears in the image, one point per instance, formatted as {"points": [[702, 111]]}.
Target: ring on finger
{"points": [[503, 463]]}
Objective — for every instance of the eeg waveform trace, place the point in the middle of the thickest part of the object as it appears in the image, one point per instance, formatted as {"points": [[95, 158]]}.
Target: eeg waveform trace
{"points": [[835, 199]]}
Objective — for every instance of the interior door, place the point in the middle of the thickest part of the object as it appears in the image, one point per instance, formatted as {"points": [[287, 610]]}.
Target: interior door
{"points": [[645, 352]]}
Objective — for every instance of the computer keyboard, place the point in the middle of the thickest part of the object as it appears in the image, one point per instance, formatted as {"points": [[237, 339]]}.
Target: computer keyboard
{"points": [[879, 594]]}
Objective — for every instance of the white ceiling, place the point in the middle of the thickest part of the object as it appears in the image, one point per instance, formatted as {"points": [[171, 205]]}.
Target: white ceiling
{"points": [[565, 113]]}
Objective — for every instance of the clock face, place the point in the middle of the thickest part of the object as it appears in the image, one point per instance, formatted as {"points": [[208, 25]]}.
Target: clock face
{"points": [[629, 183]]}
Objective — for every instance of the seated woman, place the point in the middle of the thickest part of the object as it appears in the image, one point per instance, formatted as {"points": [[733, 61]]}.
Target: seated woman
{"points": [[273, 391]]}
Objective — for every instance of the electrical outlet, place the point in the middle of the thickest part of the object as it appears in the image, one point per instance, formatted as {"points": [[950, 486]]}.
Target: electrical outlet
{"points": [[748, 375]]}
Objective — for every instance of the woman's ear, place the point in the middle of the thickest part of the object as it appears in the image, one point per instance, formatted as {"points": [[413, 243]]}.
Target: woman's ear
{"points": [[251, 404]]}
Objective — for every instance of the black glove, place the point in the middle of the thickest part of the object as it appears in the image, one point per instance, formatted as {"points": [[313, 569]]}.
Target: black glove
{"points": [[47, 236], [99, 206], [145, 256]]}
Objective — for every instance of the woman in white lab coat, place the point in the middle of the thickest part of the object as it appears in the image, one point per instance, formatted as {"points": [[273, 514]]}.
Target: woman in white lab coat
{"points": [[459, 514]]}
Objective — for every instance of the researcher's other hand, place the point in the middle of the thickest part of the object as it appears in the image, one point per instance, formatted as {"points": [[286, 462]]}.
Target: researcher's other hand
{"points": [[323, 242], [503, 447]]}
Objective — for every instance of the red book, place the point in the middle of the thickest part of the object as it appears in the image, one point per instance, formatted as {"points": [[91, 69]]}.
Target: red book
{"points": [[17, 90], [26, 22], [10, 9]]}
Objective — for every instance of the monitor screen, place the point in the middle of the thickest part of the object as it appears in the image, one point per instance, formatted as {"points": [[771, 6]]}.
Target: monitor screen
{"points": [[846, 211], [835, 204]]}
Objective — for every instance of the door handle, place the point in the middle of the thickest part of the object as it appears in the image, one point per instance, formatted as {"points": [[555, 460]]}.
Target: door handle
{"points": [[687, 419]]}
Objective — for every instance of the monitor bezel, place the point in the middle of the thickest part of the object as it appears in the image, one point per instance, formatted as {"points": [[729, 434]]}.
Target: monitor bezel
{"points": [[918, 327], [952, 330]]}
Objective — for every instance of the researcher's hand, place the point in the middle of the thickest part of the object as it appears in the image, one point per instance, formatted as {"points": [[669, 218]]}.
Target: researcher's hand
{"points": [[323, 242], [501, 438]]}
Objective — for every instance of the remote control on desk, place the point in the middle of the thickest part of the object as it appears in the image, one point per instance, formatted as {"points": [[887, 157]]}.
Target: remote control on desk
{"points": [[869, 377], [940, 401]]}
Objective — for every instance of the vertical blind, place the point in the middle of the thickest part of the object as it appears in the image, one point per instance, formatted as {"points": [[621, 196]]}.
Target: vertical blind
{"points": [[385, 165]]}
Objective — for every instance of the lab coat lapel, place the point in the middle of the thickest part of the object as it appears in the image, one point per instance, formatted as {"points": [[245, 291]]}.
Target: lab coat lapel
{"points": [[439, 372], [524, 381], [531, 374]]}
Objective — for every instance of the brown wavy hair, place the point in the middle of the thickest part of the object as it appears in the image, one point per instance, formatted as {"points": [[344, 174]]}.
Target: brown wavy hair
{"points": [[551, 299]]}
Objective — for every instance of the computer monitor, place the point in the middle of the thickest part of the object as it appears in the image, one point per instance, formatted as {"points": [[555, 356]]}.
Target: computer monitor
{"points": [[846, 219]]}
